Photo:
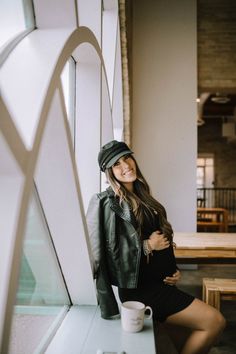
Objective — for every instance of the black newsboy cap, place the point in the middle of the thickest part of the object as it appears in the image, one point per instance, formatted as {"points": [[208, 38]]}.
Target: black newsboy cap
{"points": [[111, 152]]}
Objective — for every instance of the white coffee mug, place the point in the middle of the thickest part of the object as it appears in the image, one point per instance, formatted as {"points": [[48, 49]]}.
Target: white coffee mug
{"points": [[133, 314]]}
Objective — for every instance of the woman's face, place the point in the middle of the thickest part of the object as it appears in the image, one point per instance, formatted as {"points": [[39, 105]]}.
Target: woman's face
{"points": [[124, 171]]}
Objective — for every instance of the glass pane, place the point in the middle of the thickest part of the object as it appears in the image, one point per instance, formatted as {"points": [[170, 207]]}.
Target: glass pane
{"points": [[41, 293], [209, 162], [200, 177], [12, 19], [68, 86], [65, 85], [200, 162]]}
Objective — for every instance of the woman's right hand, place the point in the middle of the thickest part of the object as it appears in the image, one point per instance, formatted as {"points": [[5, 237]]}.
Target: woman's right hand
{"points": [[157, 241]]}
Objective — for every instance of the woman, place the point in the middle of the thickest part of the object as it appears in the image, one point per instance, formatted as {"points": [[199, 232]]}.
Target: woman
{"points": [[132, 246]]}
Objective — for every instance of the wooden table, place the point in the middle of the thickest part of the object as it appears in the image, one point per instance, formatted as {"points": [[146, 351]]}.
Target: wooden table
{"points": [[201, 247], [216, 289], [209, 219]]}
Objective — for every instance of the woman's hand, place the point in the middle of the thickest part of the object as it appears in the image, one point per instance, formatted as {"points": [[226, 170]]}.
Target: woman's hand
{"points": [[157, 241], [174, 279]]}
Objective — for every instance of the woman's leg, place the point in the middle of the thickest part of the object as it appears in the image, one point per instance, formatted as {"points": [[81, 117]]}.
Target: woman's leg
{"points": [[206, 324]]}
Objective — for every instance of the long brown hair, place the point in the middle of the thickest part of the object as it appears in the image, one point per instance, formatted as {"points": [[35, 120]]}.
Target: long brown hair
{"points": [[140, 200]]}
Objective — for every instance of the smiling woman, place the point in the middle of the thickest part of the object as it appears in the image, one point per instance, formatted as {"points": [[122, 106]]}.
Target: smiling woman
{"points": [[124, 171], [133, 249]]}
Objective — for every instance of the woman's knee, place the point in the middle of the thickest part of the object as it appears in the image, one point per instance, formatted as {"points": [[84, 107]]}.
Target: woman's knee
{"points": [[215, 321], [221, 321], [199, 316]]}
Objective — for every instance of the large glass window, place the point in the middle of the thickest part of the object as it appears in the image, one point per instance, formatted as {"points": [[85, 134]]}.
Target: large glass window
{"points": [[55, 240], [41, 297]]}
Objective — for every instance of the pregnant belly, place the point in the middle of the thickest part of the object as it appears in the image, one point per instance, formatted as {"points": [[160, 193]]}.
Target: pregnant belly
{"points": [[162, 264]]}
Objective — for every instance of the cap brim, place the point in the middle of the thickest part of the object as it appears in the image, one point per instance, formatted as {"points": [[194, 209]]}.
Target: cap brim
{"points": [[117, 157]]}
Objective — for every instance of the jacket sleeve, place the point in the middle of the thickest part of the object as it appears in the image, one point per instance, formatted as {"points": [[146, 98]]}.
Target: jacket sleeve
{"points": [[106, 297]]}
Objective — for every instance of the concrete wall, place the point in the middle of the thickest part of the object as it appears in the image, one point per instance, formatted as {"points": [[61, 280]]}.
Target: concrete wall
{"points": [[164, 81]]}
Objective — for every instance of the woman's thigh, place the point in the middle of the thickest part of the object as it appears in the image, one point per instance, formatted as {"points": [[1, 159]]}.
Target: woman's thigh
{"points": [[197, 316]]}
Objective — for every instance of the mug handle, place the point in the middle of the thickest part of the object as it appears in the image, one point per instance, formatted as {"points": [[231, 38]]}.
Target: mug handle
{"points": [[148, 317]]}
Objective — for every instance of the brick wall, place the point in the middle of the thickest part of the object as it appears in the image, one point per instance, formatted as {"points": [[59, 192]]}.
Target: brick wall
{"points": [[217, 73], [216, 45]]}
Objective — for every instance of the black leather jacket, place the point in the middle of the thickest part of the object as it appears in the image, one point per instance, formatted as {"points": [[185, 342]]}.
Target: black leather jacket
{"points": [[116, 248]]}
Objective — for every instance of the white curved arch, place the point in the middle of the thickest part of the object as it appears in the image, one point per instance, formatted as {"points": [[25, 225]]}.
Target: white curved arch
{"points": [[48, 107], [12, 137]]}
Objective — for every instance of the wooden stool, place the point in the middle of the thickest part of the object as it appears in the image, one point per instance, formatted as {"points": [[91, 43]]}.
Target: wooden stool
{"points": [[216, 289]]}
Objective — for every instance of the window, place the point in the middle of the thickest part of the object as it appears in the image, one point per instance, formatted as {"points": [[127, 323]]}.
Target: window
{"points": [[205, 171], [41, 296], [68, 85], [205, 177], [15, 17], [57, 91]]}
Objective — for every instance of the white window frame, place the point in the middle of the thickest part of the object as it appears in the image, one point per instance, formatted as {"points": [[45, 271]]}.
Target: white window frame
{"points": [[32, 102]]}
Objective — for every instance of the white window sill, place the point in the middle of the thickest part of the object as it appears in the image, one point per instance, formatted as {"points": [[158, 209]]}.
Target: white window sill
{"points": [[84, 332]]}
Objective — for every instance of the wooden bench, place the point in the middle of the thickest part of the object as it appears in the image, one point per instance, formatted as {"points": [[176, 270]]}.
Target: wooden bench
{"points": [[216, 289], [210, 219]]}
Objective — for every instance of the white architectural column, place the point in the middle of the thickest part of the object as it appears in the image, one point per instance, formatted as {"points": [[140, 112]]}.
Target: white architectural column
{"points": [[164, 104]]}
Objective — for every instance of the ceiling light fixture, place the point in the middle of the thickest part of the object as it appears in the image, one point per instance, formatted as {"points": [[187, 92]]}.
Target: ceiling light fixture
{"points": [[220, 98]]}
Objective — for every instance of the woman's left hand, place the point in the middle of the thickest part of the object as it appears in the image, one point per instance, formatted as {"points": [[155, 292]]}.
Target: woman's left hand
{"points": [[174, 279]]}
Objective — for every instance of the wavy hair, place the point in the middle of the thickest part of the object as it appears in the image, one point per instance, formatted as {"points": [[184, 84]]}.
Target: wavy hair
{"points": [[141, 201]]}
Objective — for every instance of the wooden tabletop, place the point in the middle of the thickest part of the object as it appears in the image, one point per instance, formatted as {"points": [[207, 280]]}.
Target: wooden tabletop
{"points": [[205, 246], [211, 210]]}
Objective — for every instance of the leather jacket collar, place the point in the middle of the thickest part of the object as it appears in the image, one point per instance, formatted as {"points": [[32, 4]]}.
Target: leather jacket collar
{"points": [[124, 211]]}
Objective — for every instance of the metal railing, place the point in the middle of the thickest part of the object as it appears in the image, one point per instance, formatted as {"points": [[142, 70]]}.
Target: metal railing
{"points": [[218, 198]]}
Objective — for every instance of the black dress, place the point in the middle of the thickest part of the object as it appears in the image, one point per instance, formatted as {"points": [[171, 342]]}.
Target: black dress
{"points": [[164, 299]]}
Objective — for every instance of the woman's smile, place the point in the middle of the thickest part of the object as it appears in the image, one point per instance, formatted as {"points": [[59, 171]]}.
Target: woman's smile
{"points": [[129, 172], [124, 171]]}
